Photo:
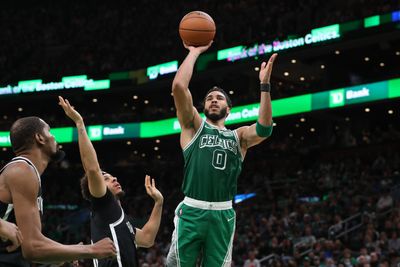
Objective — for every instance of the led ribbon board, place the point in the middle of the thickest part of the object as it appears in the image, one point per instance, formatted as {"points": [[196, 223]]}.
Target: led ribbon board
{"points": [[154, 71], [315, 36], [248, 113], [318, 35], [67, 83]]}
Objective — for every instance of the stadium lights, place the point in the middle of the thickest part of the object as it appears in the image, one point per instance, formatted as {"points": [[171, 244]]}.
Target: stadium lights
{"points": [[4, 149], [397, 53], [286, 73], [347, 119], [297, 125], [20, 109], [146, 101], [366, 58], [156, 148], [382, 64], [135, 97], [143, 155], [135, 152], [322, 66], [94, 100], [302, 119], [312, 129], [158, 156], [390, 111], [256, 68], [128, 143], [5, 117], [367, 110], [293, 61], [158, 141], [290, 135], [231, 92], [337, 52], [302, 78]]}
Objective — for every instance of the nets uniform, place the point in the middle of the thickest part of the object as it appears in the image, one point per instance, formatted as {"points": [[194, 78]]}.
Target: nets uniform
{"points": [[108, 219], [15, 258], [204, 220]]}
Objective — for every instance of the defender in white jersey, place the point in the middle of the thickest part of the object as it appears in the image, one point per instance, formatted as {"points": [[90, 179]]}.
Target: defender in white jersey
{"points": [[21, 200], [204, 220]]}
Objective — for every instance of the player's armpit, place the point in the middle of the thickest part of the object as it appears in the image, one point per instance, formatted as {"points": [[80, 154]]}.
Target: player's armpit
{"points": [[189, 131], [248, 136]]}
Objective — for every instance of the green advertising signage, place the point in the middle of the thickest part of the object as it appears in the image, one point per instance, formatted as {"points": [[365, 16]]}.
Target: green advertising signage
{"points": [[67, 83], [248, 113], [154, 71]]}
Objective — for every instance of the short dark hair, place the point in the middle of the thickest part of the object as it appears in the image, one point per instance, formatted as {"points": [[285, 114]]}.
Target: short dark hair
{"points": [[85, 187], [22, 132], [219, 89]]}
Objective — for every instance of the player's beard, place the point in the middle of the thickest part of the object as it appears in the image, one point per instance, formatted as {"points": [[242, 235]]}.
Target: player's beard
{"points": [[58, 156], [120, 195], [214, 117]]}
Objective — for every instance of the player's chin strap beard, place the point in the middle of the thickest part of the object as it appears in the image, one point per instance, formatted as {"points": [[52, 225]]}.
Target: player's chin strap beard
{"points": [[215, 117], [58, 156], [120, 195]]}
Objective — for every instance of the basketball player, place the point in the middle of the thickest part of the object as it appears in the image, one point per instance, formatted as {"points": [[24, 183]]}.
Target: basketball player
{"points": [[204, 220], [21, 199], [9, 231], [108, 219]]}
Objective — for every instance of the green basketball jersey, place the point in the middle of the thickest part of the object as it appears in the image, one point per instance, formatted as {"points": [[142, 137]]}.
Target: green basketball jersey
{"points": [[213, 162]]}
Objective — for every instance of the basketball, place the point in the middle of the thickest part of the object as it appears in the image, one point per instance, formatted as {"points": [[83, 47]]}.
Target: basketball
{"points": [[197, 28]]}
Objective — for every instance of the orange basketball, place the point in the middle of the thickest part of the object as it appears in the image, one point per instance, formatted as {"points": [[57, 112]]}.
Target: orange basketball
{"points": [[197, 28]]}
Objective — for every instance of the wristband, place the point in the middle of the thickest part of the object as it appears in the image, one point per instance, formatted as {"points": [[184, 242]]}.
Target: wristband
{"points": [[265, 87], [263, 131]]}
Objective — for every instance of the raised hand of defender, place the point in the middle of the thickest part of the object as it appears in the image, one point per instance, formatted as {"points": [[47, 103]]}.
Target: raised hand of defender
{"points": [[266, 69], [103, 249], [152, 190], [69, 110], [9, 231], [198, 49]]}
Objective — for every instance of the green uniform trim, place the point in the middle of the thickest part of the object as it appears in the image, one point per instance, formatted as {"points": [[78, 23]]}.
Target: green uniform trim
{"points": [[263, 131]]}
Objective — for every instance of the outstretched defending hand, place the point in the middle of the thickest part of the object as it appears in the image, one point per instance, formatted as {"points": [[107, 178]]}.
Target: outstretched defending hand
{"points": [[266, 69], [9, 231], [70, 110], [152, 190], [198, 49]]}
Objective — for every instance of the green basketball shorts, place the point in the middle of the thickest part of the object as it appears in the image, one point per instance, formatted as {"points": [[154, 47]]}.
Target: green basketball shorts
{"points": [[203, 229]]}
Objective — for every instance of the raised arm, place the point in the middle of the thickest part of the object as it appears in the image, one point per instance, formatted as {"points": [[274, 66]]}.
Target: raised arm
{"points": [[97, 185], [24, 187], [188, 116], [145, 237], [256, 133]]}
